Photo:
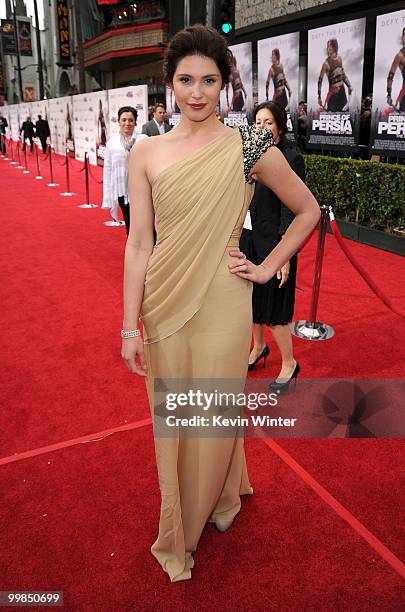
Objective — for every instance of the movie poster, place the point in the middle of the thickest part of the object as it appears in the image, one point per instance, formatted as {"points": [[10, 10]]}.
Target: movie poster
{"points": [[135, 96], [24, 37], [172, 110], [335, 76], [61, 124], [99, 101], [83, 122], [277, 71], [236, 100], [90, 113], [388, 110]]}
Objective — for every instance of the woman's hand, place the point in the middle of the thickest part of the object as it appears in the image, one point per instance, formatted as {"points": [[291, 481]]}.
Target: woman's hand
{"points": [[246, 269], [283, 273], [131, 348]]}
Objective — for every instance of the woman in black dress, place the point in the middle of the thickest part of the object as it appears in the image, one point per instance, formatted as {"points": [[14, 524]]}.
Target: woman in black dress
{"points": [[273, 303]]}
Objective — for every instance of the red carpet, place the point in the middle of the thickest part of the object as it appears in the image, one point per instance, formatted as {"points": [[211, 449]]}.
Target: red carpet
{"points": [[82, 518]]}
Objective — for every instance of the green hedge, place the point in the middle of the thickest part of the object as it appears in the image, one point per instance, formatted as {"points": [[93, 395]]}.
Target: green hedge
{"points": [[373, 190]]}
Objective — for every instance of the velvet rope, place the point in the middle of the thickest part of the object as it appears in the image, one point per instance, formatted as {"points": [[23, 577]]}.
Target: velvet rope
{"points": [[42, 156], [63, 164], [78, 171], [363, 273], [93, 177]]}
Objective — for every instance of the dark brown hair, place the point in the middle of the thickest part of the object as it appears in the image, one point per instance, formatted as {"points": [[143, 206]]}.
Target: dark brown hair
{"points": [[334, 44], [198, 40], [128, 109], [278, 112], [277, 54]]}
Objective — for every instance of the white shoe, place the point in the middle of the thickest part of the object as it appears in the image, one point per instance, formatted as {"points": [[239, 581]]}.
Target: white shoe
{"points": [[222, 524]]}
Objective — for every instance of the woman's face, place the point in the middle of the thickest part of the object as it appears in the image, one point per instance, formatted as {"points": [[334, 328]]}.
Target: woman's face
{"points": [[127, 123], [197, 84], [265, 119]]}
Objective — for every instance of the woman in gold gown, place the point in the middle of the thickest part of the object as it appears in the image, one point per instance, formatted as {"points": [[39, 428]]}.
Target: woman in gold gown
{"points": [[192, 289]]}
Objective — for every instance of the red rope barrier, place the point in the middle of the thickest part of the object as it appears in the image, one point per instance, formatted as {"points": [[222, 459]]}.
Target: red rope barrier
{"points": [[59, 164], [42, 156], [363, 273], [81, 170], [93, 177]]}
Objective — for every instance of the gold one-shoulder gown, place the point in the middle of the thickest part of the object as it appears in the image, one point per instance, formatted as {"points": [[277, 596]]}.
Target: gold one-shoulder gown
{"points": [[197, 325]]}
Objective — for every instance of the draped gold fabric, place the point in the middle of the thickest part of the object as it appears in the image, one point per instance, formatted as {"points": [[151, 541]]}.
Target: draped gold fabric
{"points": [[197, 203], [197, 325]]}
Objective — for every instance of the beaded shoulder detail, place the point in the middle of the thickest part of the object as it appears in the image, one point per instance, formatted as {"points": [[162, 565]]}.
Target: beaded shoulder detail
{"points": [[256, 141]]}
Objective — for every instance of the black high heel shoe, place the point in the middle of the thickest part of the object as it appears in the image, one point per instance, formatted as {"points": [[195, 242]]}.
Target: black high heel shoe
{"points": [[263, 355], [283, 387]]}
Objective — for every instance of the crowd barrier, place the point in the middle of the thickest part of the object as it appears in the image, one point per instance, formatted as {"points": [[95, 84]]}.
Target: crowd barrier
{"points": [[309, 329]]}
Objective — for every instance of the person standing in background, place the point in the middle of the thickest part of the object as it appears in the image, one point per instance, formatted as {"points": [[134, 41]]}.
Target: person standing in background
{"points": [[273, 302], [3, 126], [28, 132], [157, 125], [115, 176], [42, 131]]}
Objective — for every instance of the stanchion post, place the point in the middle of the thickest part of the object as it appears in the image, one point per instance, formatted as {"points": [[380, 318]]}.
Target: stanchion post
{"points": [[1, 144], [86, 173], [13, 162], [312, 329], [52, 183], [19, 156], [25, 171], [6, 157], [67, 192], [38, 176]]}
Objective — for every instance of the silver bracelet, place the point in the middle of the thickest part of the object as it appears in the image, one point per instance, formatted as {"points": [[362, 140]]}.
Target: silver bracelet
{"points": [[130, 334]]}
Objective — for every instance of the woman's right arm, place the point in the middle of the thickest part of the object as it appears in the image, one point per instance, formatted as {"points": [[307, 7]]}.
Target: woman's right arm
{"points": [[137, 252]]}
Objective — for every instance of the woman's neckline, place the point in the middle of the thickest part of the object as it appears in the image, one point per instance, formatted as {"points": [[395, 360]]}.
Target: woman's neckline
{"points": [[228, 132]]}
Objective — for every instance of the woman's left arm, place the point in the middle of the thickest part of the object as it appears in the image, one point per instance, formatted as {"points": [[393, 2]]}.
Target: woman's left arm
{"points": [[273, 170]]}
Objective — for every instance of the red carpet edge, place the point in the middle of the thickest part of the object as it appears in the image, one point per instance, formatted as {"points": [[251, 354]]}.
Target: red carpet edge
{"points": [[88, 438]]}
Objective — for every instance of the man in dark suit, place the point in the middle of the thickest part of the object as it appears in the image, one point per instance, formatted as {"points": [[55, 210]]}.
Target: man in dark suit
{"points": [[157, 125], [3, 125], [28, 132], [42, 131]]}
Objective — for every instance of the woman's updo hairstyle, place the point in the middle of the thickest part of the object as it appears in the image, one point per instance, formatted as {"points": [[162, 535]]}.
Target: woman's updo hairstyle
{"points": [[197, 40]]}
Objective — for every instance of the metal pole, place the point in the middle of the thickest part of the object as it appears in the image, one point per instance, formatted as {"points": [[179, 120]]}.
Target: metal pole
{"points": [[19, 156], [52, 183], [38, 176], [13, 162], [26, 171], [67, 192], [17, 44], [318, 264], [312, 329], [186, 13], [79, 46], [39, 52], [86, 172], [210, 13]]}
